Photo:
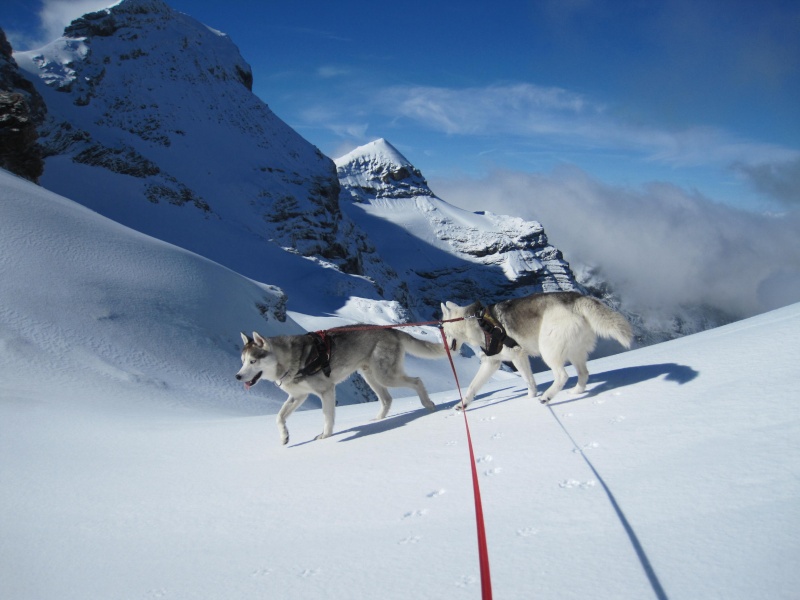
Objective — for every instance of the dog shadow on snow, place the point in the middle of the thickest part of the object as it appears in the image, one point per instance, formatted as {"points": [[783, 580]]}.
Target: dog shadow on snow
{"points": [[387, 423], [598, 384], [401, 419], [619, 378]]}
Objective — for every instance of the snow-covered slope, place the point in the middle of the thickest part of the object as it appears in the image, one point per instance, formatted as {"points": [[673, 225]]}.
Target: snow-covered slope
{"points": [[436, 248], [82, 294], [134, 466]]}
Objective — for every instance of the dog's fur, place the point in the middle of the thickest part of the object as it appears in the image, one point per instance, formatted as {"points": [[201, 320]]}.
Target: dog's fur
{"points": [[558, 326], [376, 353]]}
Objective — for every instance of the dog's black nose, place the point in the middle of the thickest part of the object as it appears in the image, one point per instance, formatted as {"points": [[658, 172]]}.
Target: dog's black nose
{"points": [[239, 377]]}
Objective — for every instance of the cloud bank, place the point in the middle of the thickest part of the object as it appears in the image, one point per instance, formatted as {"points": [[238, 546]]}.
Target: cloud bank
{"points": [[659, 246]]}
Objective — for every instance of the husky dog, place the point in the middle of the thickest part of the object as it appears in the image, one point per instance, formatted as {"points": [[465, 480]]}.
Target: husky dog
{"points": [[315, 362], [559, 326]]}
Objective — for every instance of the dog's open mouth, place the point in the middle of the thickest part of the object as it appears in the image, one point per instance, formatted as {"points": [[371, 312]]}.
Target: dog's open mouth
{"points": [[253, 381]]}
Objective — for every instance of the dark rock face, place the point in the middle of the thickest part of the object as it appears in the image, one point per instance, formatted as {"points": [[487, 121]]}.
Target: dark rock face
{"points": [[22, 110]]}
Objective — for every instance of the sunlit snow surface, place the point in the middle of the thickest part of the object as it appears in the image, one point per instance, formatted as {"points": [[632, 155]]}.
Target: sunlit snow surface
{"points": [[133, 465]]}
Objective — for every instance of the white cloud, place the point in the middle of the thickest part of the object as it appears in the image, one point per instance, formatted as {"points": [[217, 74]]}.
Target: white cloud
{"points": [[522, 109], [659, 245], [566, 119], [55, 15], [331, 71]]}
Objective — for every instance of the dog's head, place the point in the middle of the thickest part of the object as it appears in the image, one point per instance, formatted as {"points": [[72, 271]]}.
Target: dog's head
{"points": [[460, 323], [256, 358]]}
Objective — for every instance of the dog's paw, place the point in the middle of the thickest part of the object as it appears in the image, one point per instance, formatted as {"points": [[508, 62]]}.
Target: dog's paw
{"points": [[285, 439], [322, 436], [544, 399]]}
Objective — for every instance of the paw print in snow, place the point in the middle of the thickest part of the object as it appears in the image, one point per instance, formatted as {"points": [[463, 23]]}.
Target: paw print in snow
{"points": [[527, 532]]}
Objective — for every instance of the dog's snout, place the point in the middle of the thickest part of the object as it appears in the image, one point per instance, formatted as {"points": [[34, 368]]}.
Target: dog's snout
{"points": [[238, 377]]}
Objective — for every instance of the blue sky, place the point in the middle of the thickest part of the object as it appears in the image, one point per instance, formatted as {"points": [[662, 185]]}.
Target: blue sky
{"points": [[656, 141], [701, 94]]}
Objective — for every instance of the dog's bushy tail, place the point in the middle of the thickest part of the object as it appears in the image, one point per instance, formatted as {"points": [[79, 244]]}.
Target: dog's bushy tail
{"points": [[604, 322], [421, 348]]}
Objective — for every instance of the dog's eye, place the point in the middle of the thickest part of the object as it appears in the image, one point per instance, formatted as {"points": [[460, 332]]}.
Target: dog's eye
{"points": [[252, 361]]}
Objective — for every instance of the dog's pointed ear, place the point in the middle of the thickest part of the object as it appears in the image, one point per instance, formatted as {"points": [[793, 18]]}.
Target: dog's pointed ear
{"points": [[445, 311], [245, 340], [259, 341]]}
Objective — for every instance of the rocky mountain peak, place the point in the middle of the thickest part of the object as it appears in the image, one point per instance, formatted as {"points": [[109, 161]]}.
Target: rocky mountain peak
{"points": [[379, 168], [438, 250]]}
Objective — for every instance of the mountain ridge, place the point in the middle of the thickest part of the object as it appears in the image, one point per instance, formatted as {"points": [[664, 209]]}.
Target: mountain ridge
{"points": [[153, 123]]}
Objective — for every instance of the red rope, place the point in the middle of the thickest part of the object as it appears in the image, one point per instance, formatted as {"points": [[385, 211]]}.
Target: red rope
{"points": [[367, 327], [483, 549]]}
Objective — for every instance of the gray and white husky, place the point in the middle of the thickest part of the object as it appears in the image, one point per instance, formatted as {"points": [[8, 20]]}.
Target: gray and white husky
{"points": [[558, 326], [314, 363]]}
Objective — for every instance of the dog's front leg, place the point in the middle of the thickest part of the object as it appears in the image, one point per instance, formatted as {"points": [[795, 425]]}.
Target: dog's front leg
{"points": [[328, 398], [489, 366], [292, 403]]}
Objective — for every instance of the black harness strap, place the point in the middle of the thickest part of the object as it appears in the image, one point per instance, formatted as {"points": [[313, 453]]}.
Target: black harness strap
{"points": [[320, 357], [494, 333]]}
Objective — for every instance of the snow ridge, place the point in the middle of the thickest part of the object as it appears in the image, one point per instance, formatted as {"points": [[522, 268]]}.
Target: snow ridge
{"points": [[438, 248]]}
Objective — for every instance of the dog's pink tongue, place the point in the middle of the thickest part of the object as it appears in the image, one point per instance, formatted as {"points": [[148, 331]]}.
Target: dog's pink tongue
{"points": [[246, 386]]}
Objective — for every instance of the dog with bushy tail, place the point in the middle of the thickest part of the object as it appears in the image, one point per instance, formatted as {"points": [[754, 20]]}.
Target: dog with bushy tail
{"points": [[560, 327]]}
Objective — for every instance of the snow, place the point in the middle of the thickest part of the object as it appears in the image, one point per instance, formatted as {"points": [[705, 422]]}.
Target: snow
{"points": [[378, 151], [134, 465]]}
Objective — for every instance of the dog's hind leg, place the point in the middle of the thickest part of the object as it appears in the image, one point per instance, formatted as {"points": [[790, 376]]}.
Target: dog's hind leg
{"points": [[579, 362], [400, 379], [292, 404], [328, 398], [555, 361], [523, 366], [416, 383], [380, 390]]}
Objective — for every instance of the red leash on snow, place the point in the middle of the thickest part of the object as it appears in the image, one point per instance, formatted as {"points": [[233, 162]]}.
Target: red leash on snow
{"points": [[483, 549]]}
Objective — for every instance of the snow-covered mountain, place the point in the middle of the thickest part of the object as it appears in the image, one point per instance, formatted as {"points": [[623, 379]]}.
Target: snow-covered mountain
{"points": [[152, 123], [438, 249], [135, 466]]}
